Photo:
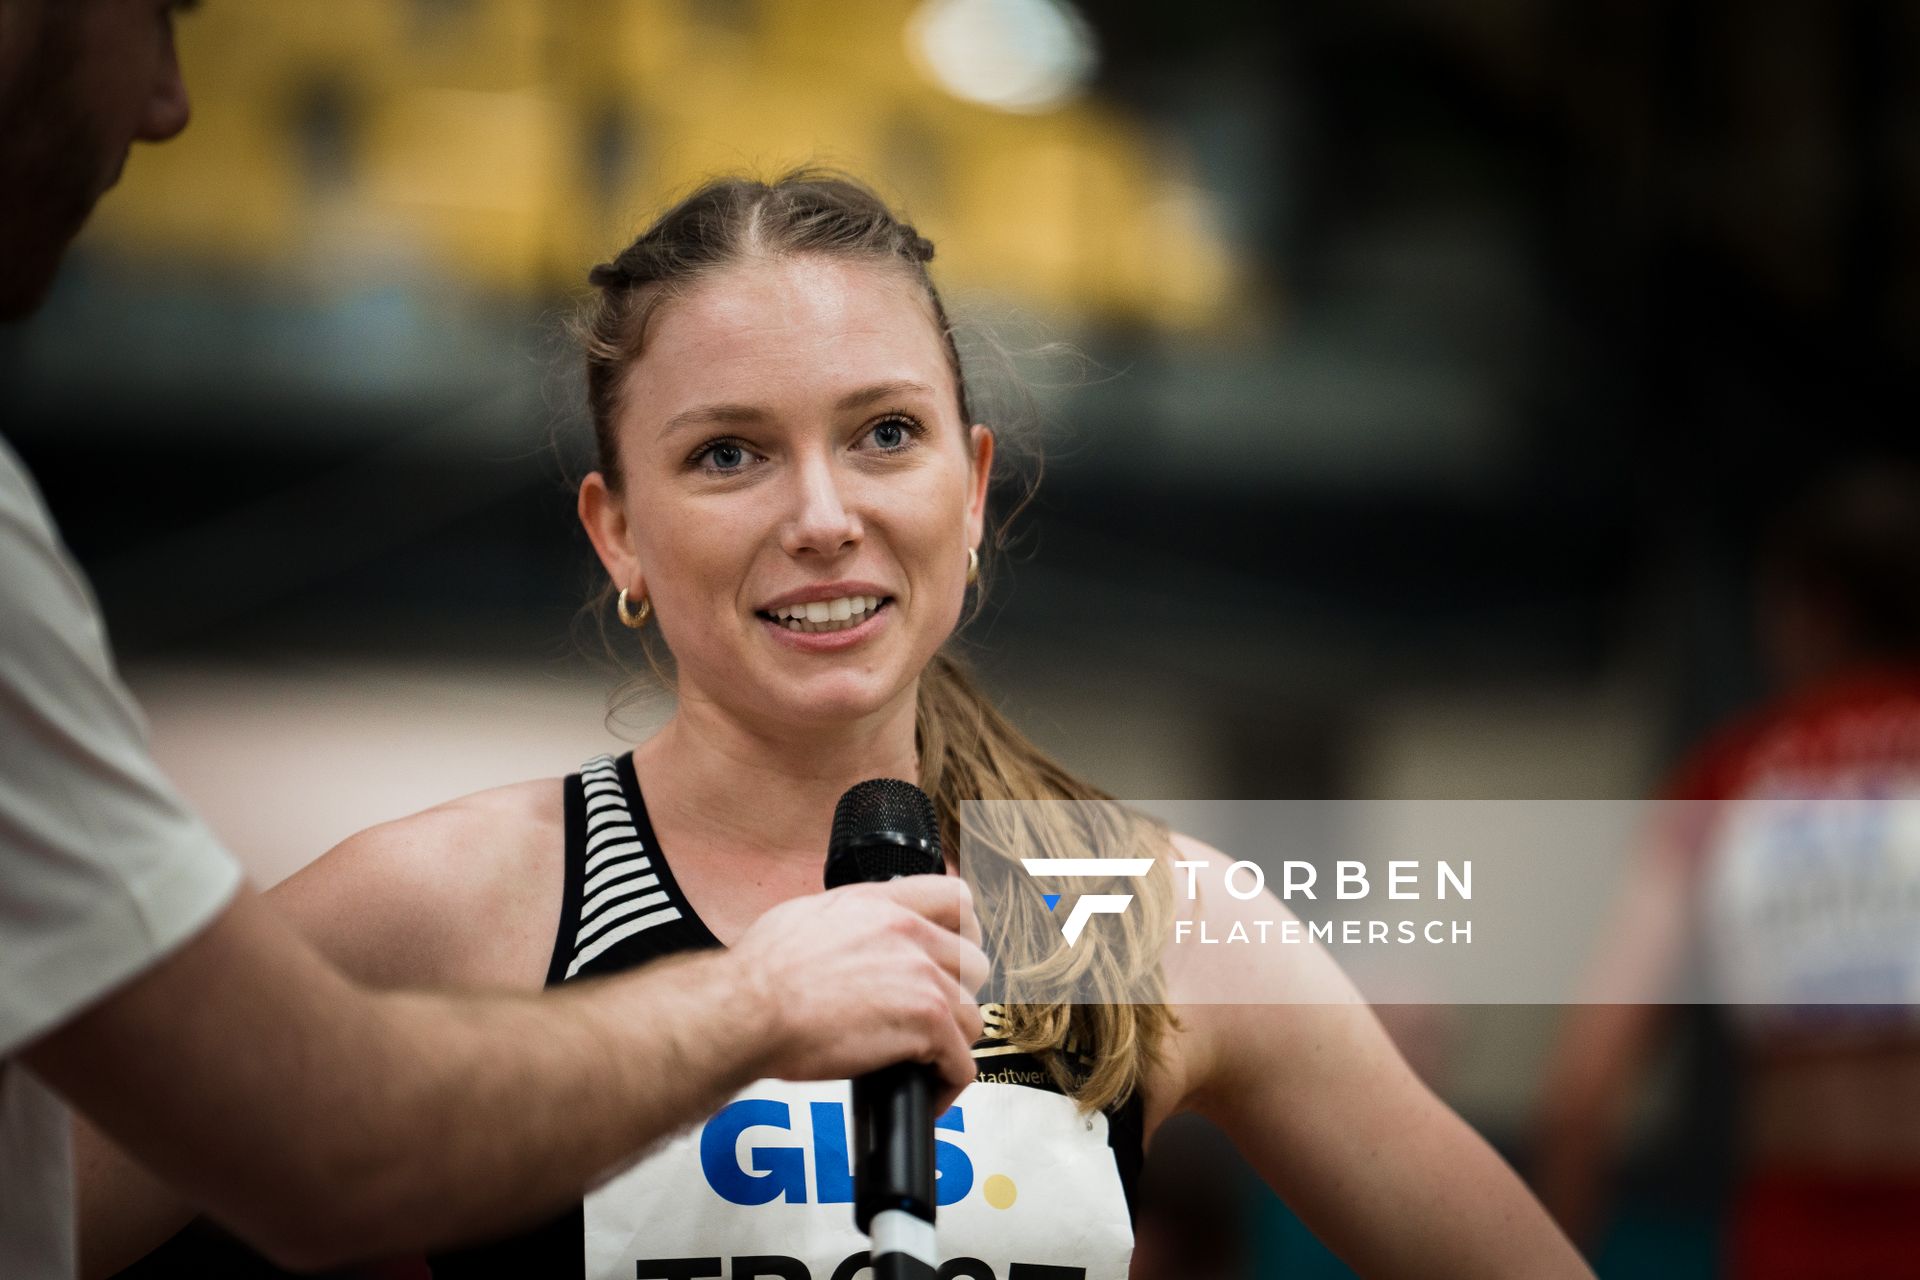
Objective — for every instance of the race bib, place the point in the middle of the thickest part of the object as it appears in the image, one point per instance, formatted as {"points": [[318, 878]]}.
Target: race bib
{"points": [[1027, 1190], [1814, 906]]}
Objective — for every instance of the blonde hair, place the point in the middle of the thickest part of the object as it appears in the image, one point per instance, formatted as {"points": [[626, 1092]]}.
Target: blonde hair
{"points": [[1094, 1014], [1108, 996]]}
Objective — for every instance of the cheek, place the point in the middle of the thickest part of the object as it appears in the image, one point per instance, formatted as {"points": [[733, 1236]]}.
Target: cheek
{"points": [[693, 563], [117, 64], [931, 535]]}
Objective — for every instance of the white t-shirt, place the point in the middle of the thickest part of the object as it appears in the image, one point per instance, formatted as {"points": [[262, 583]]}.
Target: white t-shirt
{"points": [[103, 869]]}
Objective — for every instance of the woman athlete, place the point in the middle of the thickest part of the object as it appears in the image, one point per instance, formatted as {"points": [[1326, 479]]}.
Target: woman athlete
{"points": [[791, 492]]}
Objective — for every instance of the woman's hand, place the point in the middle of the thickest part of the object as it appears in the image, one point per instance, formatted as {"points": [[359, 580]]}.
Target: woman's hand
{"points": [[866, 976]]}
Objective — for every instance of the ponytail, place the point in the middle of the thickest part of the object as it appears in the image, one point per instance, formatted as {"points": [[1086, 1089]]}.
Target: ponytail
{"points": [[1107, 1016]]}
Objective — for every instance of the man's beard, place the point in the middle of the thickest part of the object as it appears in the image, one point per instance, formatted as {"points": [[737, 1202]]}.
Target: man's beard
{"points": [[50, 164]]}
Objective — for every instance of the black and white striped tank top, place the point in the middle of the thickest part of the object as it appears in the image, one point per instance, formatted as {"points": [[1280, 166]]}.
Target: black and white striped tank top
{"points": [[1028, 1188]]}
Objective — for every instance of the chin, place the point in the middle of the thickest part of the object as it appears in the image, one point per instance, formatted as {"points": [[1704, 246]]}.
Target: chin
{"points": [[837, 698]]}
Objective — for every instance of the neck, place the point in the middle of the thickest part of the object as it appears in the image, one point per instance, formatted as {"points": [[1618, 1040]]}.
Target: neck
{"points": [[764, 791]]}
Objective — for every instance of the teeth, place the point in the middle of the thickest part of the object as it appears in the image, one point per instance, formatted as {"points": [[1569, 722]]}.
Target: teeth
{"points": [[826, 615]]}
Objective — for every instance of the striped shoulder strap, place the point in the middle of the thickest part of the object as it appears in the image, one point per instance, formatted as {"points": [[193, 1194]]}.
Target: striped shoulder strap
{"points": [[621, 894]]}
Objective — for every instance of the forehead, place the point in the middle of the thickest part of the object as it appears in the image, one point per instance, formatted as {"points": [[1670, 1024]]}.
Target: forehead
{"points": [[786, 331]]}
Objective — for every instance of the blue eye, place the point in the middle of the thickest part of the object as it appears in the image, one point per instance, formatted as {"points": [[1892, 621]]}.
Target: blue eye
{"points": [[721, 456], [890, 435]]}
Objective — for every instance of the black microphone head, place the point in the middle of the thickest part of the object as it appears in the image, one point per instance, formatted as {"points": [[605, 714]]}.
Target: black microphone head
{"points": [[883, 828]]}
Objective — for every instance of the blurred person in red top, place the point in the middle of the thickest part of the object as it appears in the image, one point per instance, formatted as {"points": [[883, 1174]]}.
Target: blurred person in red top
{"points": [[1808, 904]]}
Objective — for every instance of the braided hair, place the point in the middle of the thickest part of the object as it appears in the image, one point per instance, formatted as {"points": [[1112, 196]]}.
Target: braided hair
{"points": [[806, 211]]}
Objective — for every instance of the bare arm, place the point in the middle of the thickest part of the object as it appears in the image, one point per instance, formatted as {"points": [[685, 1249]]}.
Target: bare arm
{"points": [[123, 1211], [319, 1120], [1605, 1041], [325, 1122], [462, 896], [1314, 1093]]}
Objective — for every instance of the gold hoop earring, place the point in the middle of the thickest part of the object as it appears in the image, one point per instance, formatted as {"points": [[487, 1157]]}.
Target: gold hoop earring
{"points": [[973, 566], [634, 618]]}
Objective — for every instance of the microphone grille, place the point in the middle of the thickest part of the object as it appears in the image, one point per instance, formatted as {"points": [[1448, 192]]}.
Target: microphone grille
{"points": [[883, 828]]}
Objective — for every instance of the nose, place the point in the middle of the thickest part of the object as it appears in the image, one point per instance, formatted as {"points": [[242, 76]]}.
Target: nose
{"points": [[822, 522], [167, 109]]}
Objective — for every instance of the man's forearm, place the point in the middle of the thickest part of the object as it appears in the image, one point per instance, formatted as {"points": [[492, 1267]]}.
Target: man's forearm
{"points": [[578, 1083], [323, 1121]]}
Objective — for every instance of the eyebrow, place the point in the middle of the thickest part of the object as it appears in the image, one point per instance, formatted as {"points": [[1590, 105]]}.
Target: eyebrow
{"points": [[713, 413]]}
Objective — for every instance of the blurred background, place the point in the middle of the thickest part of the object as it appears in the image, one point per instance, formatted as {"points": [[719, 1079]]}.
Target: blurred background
{"points": [[1444, 362]]}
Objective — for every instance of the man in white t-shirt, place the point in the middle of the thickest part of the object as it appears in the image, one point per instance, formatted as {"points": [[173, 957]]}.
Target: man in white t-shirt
{"points": [[142, 982]]}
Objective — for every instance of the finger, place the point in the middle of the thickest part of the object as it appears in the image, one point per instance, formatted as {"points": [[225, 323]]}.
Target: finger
{"points": [[963, 961], [966, 1013], [969, 913], [945, 900], [947, 1095], [953, 1059]]}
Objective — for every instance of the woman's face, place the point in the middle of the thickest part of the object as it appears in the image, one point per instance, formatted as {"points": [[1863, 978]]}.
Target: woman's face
{"points": [[790, 444]]}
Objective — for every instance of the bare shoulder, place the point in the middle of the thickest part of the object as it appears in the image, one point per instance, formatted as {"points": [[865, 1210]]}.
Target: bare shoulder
{"points": [[1185, 1060], [1235, 942], [1239, 977], [465, 894]]}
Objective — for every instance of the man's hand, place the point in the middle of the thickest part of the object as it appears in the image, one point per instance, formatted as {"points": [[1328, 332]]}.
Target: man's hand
{"points": [[869, 975]]}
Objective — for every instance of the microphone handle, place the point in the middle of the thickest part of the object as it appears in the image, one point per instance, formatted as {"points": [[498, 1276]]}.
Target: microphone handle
{"points": [[902, 1247], [893, 1172]]}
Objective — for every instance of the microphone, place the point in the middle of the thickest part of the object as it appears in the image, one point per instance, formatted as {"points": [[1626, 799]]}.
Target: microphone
{"points": [[883, 828]]}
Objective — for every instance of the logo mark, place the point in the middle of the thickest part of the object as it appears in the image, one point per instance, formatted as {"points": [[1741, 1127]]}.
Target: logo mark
{"points": [[1087, 905], [771, 1169]]}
